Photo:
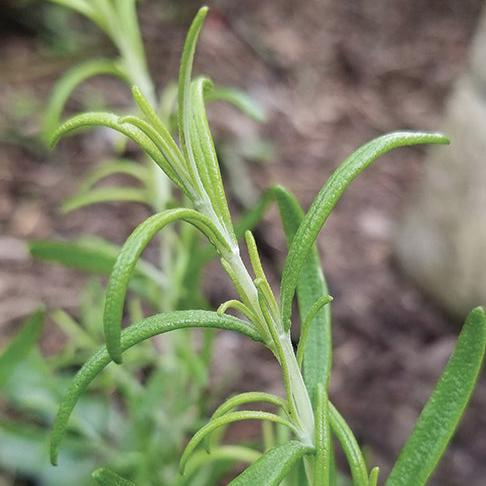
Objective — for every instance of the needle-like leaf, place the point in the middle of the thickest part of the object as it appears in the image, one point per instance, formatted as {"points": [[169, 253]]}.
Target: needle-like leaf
{"points": [[273, 466], [375, 472], [316, 330], [104, 195], [239, 99], [201, 147], [90, 120], [126, 167], [127, 259], [322, 465], [106, 477], [225, 420], [243, 399], [68, 83], [328, 197], [237, 454], [306, 324], [145, 329], [350, 447], [444, 409]]}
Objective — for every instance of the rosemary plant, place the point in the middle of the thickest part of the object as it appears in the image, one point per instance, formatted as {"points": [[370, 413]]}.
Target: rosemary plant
{"points": [[313, 422], [155, 435]]}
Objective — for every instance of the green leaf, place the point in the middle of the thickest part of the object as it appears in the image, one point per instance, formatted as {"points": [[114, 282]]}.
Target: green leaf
{"points": [[21, 345], [317, 359], [84, 8], [74, 254], [126, 167], [185, 73], [224, 420], [93, 255], [375, 472], [306, 324], [201, 148], [149, 327], [443, 411], [322, 466], [236, 454], [244, 398], [90, 120], [237, 98], [104, 195], [316, 331], [273, 466], [68, 83], [127, 259], [328, 197], [106, 477], [349, 444]]}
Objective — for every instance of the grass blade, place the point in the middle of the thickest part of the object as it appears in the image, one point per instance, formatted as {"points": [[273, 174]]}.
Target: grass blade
{"points": [[145, 329], [273, 466], [328, 197], [444, 409]]}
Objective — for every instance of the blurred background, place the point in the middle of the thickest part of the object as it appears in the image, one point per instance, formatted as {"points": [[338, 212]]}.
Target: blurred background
{"points": [[330, 74]]}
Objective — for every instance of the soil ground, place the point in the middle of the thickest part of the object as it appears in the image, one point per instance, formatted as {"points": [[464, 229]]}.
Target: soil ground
{"points": [[331, 74]]}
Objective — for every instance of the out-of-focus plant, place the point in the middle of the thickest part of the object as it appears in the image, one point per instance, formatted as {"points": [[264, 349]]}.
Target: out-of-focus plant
{"points": [[151, 422], [313, 423]]}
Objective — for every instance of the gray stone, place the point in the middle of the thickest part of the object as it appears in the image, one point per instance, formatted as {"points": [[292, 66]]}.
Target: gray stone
{"points": [[441, 241]]}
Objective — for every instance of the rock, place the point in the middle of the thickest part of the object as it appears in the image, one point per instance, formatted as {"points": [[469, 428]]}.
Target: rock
{"points": [[441, 241]]}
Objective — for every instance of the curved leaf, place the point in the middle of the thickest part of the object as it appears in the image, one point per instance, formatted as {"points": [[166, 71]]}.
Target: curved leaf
{"points": [[74, 254], [225, 420], [68, 83], [126, 167], [90, 120], [185, 73], [92, 255], [273, 466], [104, 195], [444, 409], [201, 148], [244, 398], [327, 198], [127, 259], [106, 477], [237, 454], [350, 447], [248, 397], [84, 8], [145, 329], [238, 99]]}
